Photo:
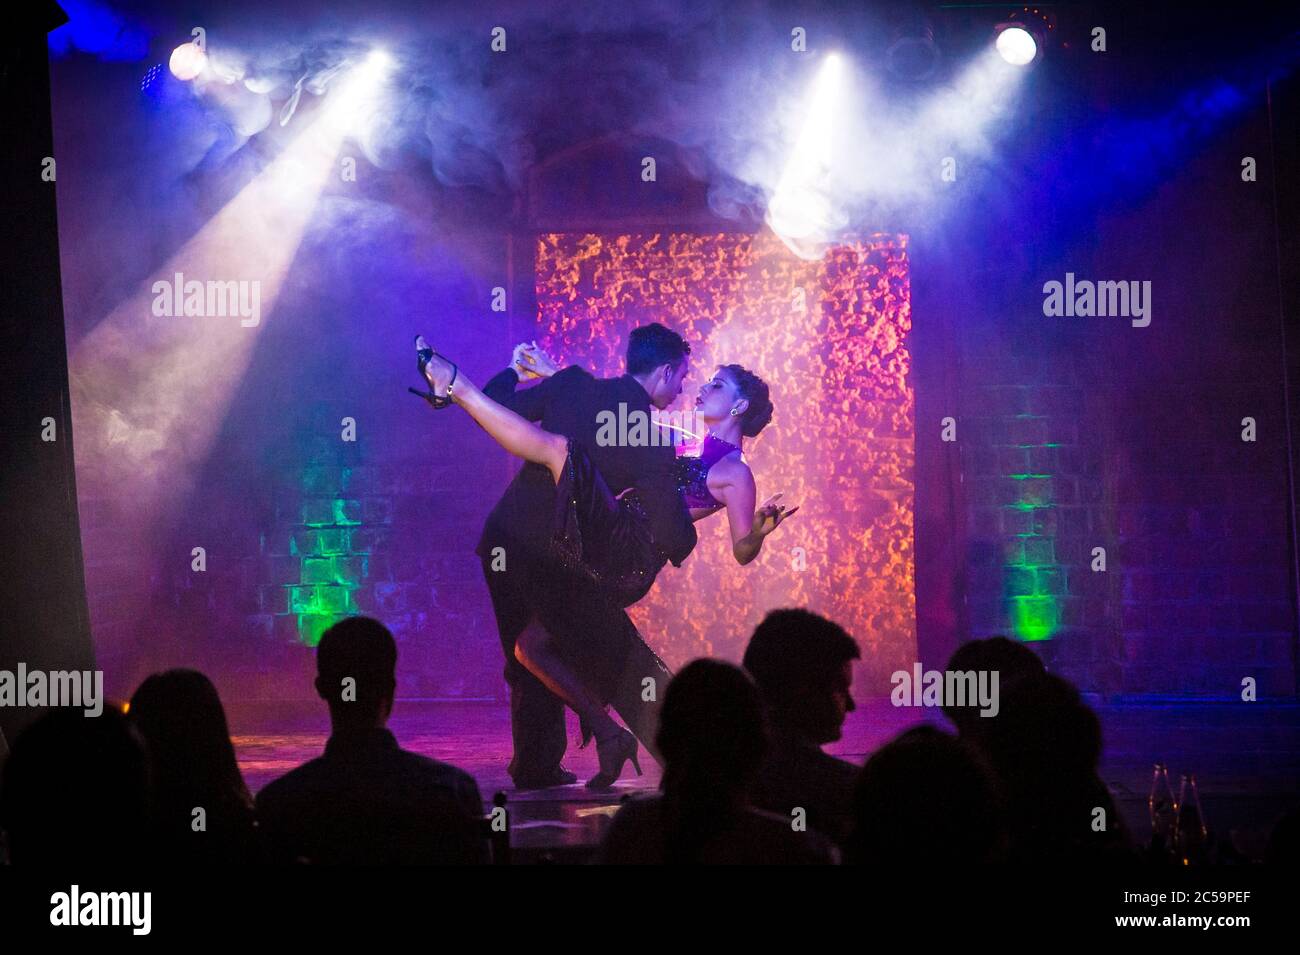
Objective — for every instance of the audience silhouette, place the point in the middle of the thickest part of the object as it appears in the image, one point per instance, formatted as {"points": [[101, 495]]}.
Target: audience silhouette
{"points": [[76, 791], [1044, 744], [803, 665], [193, 767], [745, 779], [1011, 660], [713, 736], [926, 796], [367, 801]]}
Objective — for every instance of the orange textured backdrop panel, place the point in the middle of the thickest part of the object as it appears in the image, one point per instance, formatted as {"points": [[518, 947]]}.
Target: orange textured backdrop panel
{"points": [[830, 338]]}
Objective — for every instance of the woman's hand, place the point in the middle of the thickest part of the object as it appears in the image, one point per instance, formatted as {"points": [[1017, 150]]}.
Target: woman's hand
{"points": [[749, 527], [530, 361], [771, 515]]}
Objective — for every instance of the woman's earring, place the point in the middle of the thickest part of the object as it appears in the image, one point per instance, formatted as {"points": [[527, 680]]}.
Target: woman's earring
{"points": [[734, 412]]}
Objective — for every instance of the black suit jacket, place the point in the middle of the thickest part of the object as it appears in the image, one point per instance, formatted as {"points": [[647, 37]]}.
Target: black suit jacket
{"points": [[568, 403]]}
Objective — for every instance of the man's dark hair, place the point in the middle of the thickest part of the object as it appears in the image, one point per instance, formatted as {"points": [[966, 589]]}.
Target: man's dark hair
{"points": [[650, 346], [363, 649], [793, 649]]}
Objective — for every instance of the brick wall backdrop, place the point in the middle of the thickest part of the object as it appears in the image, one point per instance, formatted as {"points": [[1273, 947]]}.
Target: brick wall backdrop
{"points": [[1036, 494], [1033, 440], [1086, 432], [331, 528], [1193, 522]]}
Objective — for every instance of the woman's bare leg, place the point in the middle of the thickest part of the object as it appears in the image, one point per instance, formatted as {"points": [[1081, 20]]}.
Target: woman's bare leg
{"points": [[516, 434], [534, 650], [524, 439]]}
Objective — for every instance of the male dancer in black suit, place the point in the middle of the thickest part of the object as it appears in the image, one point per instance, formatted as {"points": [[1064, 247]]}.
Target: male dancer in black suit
{"points": [[513, 546]]}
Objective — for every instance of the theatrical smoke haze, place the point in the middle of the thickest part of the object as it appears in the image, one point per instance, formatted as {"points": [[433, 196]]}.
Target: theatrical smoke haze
{"points": [[348, 181]]}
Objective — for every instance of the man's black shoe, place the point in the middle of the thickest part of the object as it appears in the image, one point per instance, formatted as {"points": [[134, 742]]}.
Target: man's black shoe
{"points": [[556, 777]]}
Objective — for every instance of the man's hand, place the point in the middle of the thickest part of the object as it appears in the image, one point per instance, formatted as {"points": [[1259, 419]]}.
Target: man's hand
{"points": [[520, 365], [530, 361]]}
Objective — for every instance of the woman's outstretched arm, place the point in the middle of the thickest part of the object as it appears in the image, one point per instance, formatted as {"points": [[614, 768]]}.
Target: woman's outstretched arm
{"points": [[748, 527]]}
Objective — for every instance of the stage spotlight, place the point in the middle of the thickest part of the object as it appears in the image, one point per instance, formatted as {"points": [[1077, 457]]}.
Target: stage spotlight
{"points": [[1017, 45], [379, 60], [187, 61], [356, 99], [148, 407], [1025, 35], [802, 211]]}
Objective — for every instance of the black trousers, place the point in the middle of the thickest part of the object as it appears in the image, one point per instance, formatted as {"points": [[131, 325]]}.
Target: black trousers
{"points": [[536, 714], [595, 636]]}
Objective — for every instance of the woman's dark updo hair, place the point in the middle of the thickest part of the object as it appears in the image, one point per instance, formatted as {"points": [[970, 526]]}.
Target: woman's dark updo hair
{"points": [[752, 388]]}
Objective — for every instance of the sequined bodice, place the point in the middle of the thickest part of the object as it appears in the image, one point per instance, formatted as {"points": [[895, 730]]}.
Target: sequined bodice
{"points": [[693, 472]]}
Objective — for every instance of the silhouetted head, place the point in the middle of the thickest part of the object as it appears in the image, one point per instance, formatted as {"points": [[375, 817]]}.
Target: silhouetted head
{"points": [[1043, 735], [180, 716], [925, 795], [1010, 659], [356, 672], [659, 358], [711, 730], [803, 663], [76, 791], [735, 392], [1044, 744]]}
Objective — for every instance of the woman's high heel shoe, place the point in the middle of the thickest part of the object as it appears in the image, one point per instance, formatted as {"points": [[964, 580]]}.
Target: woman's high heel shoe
{"points": [[423, 355], [614, 750]]}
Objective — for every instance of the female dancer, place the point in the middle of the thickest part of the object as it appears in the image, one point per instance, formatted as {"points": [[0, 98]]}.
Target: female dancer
{"points": [[604, 536]]}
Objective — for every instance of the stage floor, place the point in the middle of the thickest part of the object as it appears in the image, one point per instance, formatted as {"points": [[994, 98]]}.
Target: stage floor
{"points": [[1246, 758]]}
